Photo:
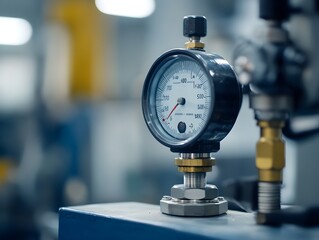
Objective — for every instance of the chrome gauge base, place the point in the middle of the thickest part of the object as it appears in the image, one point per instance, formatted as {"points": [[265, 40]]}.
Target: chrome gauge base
{"points": [[193, 208], [193, 202]]}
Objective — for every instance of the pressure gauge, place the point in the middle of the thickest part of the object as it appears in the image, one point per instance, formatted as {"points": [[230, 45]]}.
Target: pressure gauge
{"points": [[191, 100]]}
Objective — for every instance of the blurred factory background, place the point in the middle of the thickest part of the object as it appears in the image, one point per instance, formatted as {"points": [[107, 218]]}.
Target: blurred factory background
{"points": [[71, 126]]}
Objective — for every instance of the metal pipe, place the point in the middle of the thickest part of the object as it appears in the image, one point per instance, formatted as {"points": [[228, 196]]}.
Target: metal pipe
{"points": [[194, 179]]}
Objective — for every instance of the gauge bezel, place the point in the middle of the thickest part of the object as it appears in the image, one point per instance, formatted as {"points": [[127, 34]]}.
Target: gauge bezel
{"points": [[216, 69]]}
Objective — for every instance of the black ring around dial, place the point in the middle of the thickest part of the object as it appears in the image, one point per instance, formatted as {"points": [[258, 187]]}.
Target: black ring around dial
{"points": [[226, 101]]}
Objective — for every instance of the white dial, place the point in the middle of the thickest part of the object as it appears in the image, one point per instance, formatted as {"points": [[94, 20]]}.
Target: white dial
{"points": [[183, 99]]}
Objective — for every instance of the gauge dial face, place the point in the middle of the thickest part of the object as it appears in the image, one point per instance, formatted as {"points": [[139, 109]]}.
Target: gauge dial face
{"points": [[190, 100], [183, 98]]}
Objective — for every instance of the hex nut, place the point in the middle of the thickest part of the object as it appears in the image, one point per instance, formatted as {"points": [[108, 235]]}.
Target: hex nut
{"points": [[209, 192], [190, 45], [270, 154], [193, 209]]}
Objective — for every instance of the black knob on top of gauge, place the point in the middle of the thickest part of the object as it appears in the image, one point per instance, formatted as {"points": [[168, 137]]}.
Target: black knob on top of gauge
{"points": [[194, 26]]}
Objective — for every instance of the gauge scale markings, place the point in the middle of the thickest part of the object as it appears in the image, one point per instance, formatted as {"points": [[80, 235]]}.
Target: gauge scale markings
{"points": [[183, 79], [202, 118]]}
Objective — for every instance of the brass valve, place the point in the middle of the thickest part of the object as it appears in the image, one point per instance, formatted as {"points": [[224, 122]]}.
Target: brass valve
{"points": [[270, 152]]}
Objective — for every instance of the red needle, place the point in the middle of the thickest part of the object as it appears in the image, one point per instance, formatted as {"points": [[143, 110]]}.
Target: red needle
{"points": [[180, 101], [171, 111]]}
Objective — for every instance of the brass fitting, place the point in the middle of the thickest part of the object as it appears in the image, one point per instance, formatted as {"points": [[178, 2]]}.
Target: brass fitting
{"points": [[194, 45], [195, 165], [270, 151]]}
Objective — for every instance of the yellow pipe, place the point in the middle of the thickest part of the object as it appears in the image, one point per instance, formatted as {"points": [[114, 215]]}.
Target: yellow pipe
{"points": [[83, 21]]}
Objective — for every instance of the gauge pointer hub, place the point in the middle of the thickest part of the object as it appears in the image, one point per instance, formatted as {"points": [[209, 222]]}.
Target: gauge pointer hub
{"points": [[180, 101]]}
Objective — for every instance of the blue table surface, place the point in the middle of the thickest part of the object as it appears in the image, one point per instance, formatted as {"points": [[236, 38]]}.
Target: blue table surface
{"points": [[145, 221]]}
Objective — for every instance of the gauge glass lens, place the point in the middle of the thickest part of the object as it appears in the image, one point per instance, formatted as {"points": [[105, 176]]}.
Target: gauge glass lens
{"points": [[183, 98]]}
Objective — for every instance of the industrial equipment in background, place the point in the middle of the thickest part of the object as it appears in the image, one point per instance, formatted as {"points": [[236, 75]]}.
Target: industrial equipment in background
{"points": [[47, 86], [274, 69], [190, 101]]}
